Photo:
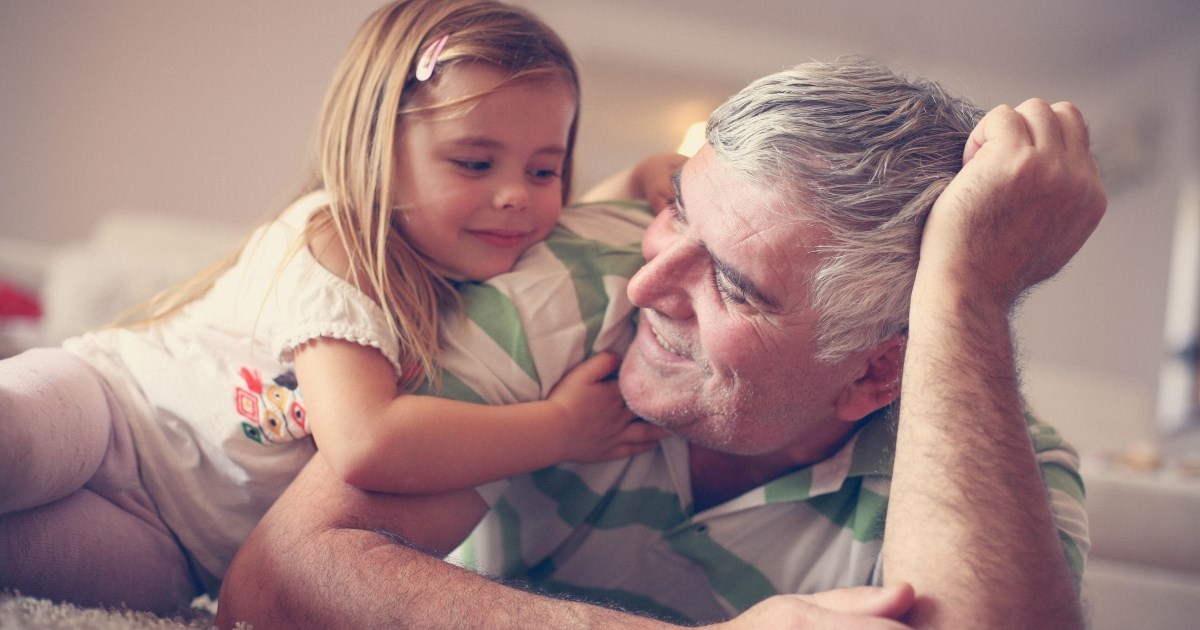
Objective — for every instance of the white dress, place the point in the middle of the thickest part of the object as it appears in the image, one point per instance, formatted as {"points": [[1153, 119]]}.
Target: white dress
{"points": [[210, 394]]}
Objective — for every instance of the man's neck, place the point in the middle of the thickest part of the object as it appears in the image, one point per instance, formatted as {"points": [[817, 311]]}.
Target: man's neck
{"points": [[718, 477]]}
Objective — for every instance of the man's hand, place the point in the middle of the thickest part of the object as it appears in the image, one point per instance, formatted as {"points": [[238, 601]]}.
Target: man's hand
{"points": [[865, 608], [1027, 198]]}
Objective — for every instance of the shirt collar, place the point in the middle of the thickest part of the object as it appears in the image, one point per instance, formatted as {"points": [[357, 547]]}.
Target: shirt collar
{"points": [[870, 452]]}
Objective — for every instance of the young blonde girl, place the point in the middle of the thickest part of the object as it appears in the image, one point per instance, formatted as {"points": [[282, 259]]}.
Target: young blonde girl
{"points": [[134, 460]]}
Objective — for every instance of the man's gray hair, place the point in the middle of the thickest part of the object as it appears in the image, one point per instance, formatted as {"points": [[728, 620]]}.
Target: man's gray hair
{"points": [[862, 153]]}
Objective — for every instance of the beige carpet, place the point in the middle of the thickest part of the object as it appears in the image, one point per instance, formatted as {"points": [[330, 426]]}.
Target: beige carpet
{"points": [[18, 612]]}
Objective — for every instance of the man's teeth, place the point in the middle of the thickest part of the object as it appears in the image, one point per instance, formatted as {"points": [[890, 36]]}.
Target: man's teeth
{"points": [[663, 342]]}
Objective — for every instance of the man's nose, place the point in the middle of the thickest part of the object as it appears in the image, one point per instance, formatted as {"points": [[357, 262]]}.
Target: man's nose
{"points": [[662, 283], [657, 236]]}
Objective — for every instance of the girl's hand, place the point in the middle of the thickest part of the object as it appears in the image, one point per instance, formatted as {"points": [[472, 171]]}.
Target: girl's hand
{"points": [[649, 179], [652, 179], [596, 425]]}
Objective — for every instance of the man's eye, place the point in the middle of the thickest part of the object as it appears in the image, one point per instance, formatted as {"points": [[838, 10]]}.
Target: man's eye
{"points": [[677, 218], [727, 290], [475, 166]]}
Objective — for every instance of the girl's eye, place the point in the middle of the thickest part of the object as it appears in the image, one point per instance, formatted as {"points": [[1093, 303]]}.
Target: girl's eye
{"points": [[727, 290], [544, 174], [475, 166]]}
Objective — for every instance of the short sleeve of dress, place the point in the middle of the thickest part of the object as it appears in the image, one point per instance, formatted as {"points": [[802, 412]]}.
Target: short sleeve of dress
{"points": [[324, 305], [306, 301]]}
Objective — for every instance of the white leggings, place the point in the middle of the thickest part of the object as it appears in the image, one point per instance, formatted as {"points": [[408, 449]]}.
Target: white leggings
{"points": [[76, 523]]}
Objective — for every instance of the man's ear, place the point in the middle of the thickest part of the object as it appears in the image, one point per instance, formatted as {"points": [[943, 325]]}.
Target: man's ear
{"points": [[877, 383]]}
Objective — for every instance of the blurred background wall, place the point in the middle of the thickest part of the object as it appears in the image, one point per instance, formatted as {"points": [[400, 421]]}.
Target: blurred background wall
{"points": [[198, 114], [205, 109]]}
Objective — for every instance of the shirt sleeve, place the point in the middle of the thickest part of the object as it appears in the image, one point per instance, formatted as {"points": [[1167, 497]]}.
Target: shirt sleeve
{"points": [[1059, 464]]}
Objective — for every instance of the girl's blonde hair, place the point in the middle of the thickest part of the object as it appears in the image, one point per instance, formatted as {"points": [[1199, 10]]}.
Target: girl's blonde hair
{"points": [[355, 156]]}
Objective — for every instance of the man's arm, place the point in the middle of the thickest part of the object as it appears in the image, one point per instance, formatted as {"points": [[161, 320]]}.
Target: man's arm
{"points": [[330, 555], [969, 523]]}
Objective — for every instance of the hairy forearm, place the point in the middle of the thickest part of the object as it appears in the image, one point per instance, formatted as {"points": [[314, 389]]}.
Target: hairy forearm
{"points": [[363, 579], [328, 555], [969, 523]]}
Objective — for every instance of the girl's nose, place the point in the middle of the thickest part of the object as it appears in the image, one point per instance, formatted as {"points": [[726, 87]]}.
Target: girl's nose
{"points": [[512, 195]]}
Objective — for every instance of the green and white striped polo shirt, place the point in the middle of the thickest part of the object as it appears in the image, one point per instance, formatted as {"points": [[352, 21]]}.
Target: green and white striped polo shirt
{"points": [[562, 302], [625, 532]]}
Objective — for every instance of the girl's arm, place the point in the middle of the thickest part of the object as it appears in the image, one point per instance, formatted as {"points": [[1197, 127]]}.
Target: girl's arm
{"points": [[649, 179], [377, 439]]}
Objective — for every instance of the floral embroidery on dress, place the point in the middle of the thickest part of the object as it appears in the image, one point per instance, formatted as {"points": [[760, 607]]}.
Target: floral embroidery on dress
{"points": [[275, 410]]}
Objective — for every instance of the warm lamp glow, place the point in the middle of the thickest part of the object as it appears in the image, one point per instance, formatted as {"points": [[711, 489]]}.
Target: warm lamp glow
{"points": [[693, 139]]}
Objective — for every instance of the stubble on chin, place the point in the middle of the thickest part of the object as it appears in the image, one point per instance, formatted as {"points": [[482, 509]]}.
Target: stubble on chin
{"points": [[703, 418], [707, 415]]}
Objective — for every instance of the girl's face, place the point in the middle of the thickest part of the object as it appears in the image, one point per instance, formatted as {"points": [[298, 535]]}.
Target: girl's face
{"points": [[478, 185]]}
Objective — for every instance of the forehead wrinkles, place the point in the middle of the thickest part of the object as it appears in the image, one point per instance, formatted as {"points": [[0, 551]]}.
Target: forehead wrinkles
{"points": [[755, 236]]}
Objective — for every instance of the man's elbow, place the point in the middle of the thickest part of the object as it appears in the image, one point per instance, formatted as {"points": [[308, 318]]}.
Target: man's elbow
{"points": [[242, 598]]}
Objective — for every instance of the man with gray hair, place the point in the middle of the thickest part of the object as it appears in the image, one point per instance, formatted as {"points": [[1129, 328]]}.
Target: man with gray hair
{"points": [[842, 225]]}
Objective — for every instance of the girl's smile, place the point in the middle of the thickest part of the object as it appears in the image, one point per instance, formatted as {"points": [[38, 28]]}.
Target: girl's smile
{"points": [[503, 239]]}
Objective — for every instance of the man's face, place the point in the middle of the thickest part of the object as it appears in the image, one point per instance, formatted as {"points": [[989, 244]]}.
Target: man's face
{"points": [[724, 353]]}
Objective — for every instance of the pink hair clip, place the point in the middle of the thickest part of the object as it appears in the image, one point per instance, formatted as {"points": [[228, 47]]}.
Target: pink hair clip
{"points": [[430, 58]]}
